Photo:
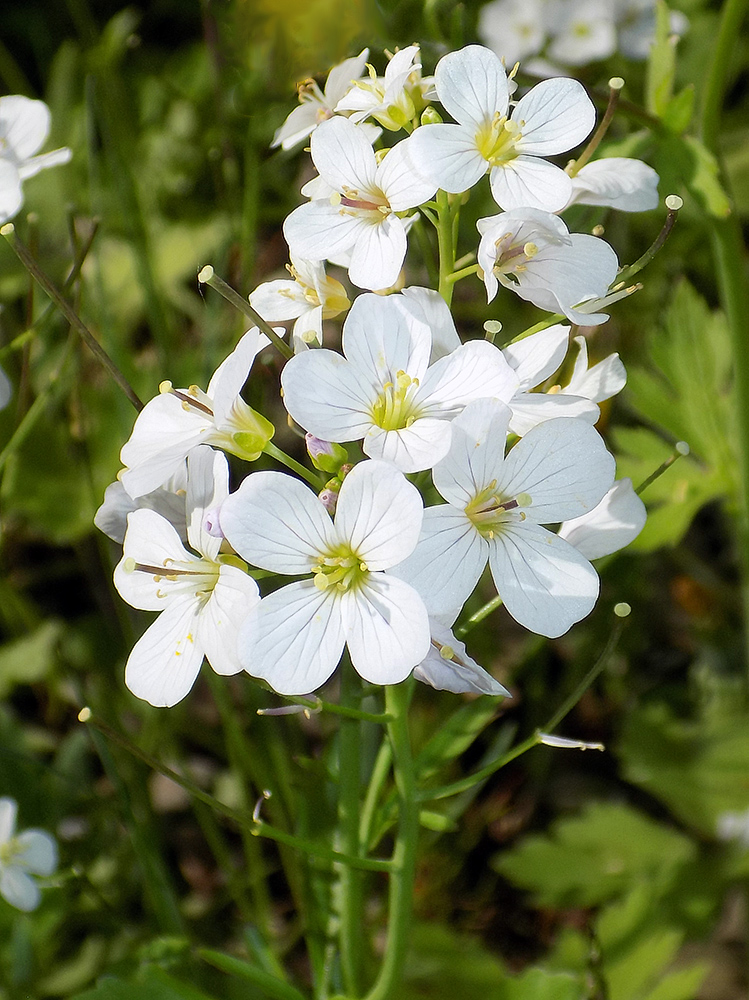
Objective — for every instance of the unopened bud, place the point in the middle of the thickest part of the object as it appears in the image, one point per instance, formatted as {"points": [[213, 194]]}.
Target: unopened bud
{"points": [[430, 116], [212, 522], [326, 455], [329, 499]]}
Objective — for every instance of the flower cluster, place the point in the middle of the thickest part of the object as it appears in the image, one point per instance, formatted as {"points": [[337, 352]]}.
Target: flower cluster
{"points": [[503, 448]]}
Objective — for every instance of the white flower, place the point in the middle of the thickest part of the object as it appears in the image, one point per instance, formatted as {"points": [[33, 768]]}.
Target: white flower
{"points": [[448, 667], [393, 100], [316, 105], [360, 215], [552, 117], [615, 522], [168, 500], [514, 29], [636, 21], [494, 512], [534, 254], [617, 182], [202, 598], [295, 636], [534, 359], [584, 32], [22, 855], [177, 420], [308, 298], [384, 390], [24, 127], [427, 306]]}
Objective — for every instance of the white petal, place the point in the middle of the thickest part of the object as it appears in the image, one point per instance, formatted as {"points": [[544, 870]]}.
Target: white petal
{"points": [[320, 230], [38, 163], [379, 514], [151, 541], [300, 123], [343, 156], [11, 193], [163, 434], [617, 181], [457, 672], [378, 253], [276, 522], [387, 629], [293, 638], [615, 522], [8, 814], [428, 304], [411, 449], [24, 124], [328, 395], [564, 466], [531, 408], [472, 85], [38, 852], [279, 300], [400, 180], [447, 562], [554, 116], [473, 371], [232, 600], [165, 661], [231, 374], [530, 182], [448, 155], [476, 454], [207, 487], [307, 329], [545, 584], [342, 76], [19, 889], [599, 382], [381, 339], [535, 358]]}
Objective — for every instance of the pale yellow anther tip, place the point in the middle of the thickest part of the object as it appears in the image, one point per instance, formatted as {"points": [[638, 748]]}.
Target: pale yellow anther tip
{"points": [[85, 714], [616, 82], [8, 229], [622, 609], [674, 202], [205, 274]]}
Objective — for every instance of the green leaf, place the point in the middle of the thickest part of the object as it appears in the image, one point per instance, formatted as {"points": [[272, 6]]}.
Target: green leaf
{"points": [[588, 859], [454, 736], [273, 987], [704, 182], [678, 113], [538, 984], [436, 821], [699, 770], [443, 965], [661, 66], [151, 983], [29, 659]]}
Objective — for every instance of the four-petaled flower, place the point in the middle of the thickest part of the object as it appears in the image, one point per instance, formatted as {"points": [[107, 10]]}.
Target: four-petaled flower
{"points": [[295, 636], [495, 507], [23, 855], [552, 117], [24, 127]]}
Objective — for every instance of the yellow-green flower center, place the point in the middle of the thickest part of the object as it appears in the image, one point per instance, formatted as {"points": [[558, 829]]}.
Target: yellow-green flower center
{"points": [[497, 141], [489, 512], [395, 407], [10, 851], [342, 569]]}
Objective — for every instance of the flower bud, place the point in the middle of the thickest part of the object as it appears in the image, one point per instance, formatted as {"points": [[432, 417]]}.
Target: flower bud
{"points": [[326, 455], [430, 116]]}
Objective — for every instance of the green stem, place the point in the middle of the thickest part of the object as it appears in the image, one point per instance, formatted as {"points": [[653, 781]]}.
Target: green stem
{"points": [[349, 796], [8, 231], [475, 619], [464, 272], [291, 463], [380, 771], [730, 263], [262, 829], [446, 243], [543, 324], [208, 276], [615, 88], [404, 854], [673, 204]]}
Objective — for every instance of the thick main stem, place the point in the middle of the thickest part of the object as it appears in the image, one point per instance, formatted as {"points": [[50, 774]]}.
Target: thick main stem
{"points": [[446, 244], [404, 855]]}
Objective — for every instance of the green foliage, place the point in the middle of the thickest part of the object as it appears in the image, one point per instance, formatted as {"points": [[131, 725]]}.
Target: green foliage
{"points": [[30, 659], [661, 63], [588, 859]]}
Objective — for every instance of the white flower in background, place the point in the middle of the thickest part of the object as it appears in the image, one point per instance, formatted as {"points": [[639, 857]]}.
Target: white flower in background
{"points": [[534, 254], [514, 29], [6, 390], [202, 598], [733, 826], [636, 20], [393, 100], [617, 182], [448, 667], [308, 298], [599, 382], [552, 117], [384, 389], [177, 420], [295, 636], [534, 360], [583, 32], [495, 507], [23, 855], [615, 522], [24, 127], [168, 500], [317, 106], [361, 213]]}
